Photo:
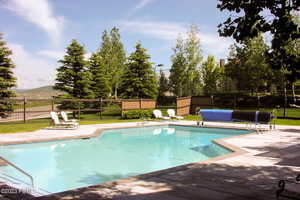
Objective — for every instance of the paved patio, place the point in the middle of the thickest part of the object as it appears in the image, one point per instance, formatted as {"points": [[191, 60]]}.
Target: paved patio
{"points": [[252, 173]]}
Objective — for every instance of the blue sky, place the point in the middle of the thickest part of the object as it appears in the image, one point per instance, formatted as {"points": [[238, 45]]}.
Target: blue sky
{"points": [[38, 31]]}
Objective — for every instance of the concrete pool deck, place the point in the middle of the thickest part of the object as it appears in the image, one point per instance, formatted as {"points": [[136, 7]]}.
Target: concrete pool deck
{"points": [[252, 173]]}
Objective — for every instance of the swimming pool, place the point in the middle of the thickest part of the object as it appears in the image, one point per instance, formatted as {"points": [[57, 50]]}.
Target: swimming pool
{"points": [[116, 153]]}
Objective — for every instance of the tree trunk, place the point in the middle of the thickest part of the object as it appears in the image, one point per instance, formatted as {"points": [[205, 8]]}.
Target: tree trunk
{"points": [[116, 91], [294, 96]]}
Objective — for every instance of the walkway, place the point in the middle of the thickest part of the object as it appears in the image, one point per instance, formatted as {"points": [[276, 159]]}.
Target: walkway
{"points": [[253, 173]]}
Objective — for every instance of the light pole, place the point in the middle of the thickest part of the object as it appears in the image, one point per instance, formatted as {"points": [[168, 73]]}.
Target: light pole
{"points": [[158, 65]]}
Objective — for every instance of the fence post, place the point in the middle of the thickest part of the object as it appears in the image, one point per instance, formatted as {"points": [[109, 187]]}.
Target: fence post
{"points": [[24, 110], [79, 109], [101, 108], [141, 104], [234, 103], [285, 100], [52, 104], [258, 102]]}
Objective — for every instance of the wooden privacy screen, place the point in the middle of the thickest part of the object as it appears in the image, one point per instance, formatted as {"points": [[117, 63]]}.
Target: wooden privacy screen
{"points": [[191, 105], [201, 102], [138, 104], [183, 105]]}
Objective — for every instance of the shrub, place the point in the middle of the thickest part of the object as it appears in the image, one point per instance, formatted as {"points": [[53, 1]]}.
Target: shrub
{"points": [[137, 114]]}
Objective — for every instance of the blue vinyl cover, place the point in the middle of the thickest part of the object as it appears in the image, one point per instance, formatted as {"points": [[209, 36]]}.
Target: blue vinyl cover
{"points": [[216, 115]]}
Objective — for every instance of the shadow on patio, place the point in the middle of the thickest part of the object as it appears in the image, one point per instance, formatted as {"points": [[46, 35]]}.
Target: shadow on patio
{"points": [[194, 181]]}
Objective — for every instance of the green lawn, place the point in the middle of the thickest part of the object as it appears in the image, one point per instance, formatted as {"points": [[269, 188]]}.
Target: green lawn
{"points": [[86, 119], [277, 121]]}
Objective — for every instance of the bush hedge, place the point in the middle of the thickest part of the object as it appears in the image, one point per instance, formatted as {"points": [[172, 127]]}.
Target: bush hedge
{"points": [[137, 114]]}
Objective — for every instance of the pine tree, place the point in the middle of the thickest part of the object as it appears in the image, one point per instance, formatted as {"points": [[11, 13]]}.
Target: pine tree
{"points": [[73, 76], [7, 79], [100, 84], [178, 68], [163, 84], [139, 80]]}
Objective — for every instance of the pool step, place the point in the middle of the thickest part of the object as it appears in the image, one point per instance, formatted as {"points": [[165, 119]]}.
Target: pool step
{"points": [[22, 186]]}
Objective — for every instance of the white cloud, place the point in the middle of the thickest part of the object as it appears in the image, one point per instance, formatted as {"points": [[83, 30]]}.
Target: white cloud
{"points": [[142, 4], [57, 55], [31, 70], [159, 30], [211, 42], [40, 13]]}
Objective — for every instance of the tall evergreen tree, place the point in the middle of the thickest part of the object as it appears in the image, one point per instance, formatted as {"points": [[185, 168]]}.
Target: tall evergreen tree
{"points": [[7, 79], [100, 84], [139, 80], [73, 76], [178, 68], [163, 84]]}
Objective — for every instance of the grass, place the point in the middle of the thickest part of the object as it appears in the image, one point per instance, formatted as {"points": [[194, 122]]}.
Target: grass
{"points": [[89, 119], [31, 105], [16, 127], [277, 121]]}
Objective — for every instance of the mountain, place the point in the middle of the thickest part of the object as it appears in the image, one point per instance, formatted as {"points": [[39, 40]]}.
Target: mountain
{"points": [[38, 93]]}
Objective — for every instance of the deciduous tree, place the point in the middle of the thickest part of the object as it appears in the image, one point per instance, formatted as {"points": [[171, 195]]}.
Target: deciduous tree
{"points": [[211, 74], [163, 84], [113, 55], [178, 68], [253, 17], [248, 65]]}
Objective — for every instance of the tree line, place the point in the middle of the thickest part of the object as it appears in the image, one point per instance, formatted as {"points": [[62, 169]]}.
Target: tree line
{"points": [[108, 73], [252, 63]]}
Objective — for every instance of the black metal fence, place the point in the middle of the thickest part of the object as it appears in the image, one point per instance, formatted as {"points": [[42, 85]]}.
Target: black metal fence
{"points": [[285, 103], [33, 110]]}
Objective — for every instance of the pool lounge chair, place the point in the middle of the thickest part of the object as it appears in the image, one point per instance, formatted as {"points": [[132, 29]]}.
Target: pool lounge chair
{"points": [[64, 116], [158, 115], [64, 125], [171, 113]]}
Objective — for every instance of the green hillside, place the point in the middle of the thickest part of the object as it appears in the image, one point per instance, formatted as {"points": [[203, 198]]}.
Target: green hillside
{"points": [[38, 93]]}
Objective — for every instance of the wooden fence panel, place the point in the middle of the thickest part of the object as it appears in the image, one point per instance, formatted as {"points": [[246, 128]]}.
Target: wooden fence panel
{"points": [[183, 105], [201, 102], [138, 104]]}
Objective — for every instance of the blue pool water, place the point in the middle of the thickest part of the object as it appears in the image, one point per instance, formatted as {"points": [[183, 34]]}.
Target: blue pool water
{"points": [[119, 153]]}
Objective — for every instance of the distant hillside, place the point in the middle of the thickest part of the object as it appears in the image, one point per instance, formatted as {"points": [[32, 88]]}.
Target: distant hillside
{"points": [[38, 93]]}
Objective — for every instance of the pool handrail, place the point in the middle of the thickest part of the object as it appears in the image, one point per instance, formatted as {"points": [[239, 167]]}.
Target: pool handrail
{"points": [[19, 169]]}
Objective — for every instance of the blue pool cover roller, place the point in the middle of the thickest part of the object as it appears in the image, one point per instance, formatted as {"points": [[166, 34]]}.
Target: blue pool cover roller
{"points": [[235, 115], [216, 115]]}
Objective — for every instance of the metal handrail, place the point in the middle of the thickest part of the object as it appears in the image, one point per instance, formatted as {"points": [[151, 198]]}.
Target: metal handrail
{"points": [[19, 169]]}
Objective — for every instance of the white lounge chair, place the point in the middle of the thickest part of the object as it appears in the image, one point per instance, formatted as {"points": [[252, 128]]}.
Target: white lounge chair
{"points": [[171, 113], [64, 116], [59, 124], [158, 114]]}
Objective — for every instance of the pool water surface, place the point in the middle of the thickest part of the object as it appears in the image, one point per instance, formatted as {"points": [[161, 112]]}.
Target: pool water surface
{"points": [[116, 153]]}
